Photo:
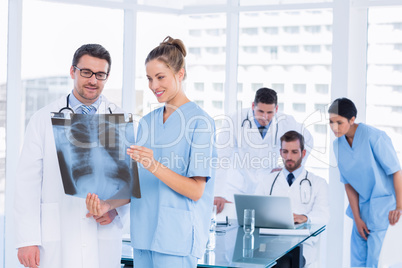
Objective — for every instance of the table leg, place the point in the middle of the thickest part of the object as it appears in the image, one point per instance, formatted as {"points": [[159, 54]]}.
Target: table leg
{"points": [[297, 257]]}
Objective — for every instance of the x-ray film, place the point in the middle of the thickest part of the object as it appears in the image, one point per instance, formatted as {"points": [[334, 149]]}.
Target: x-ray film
{"points": [[91, 150]]}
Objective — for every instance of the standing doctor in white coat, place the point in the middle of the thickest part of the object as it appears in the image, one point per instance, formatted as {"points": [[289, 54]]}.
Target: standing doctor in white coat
{"points": [[52, 229], [248, 142], [308, 192]]}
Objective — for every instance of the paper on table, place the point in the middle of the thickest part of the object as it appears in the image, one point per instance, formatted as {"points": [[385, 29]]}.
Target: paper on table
{"points": [[273, 231]]}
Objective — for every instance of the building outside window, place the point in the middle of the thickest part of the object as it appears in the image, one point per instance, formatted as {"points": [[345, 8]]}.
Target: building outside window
{"points": [[291, 70], [299, 88], [322, 88], [199, 86], [384, 72]]}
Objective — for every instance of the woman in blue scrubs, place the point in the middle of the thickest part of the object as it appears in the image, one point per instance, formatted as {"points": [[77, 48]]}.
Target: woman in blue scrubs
{"points": [[175, 147], [372, 176]]}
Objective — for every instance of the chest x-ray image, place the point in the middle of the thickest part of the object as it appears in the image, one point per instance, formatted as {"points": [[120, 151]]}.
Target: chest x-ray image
{"points": [[91, 150]]}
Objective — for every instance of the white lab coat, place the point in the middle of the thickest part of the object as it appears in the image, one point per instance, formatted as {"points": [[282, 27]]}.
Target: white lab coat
{"points": [[316, 208], [243, 152], [47, 217]]}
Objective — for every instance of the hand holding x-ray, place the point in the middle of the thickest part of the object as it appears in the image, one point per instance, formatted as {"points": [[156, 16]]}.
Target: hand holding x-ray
{"points": [[95, 206]]}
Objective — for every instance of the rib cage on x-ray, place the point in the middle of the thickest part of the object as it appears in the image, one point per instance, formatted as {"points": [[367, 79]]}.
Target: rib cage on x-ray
{"points": [[92, 156]]}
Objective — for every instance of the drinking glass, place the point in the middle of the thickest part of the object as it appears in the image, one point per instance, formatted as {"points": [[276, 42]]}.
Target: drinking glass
{"points": [[249, 221], [248, 245], [212, 227]]}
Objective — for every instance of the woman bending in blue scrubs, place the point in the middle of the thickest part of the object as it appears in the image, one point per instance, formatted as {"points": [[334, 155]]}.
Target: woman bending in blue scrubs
{"points": [[175, 147], [372, 176]]}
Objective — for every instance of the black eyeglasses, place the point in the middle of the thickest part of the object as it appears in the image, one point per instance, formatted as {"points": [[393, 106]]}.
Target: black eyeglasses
{"points": [[88, 74]]}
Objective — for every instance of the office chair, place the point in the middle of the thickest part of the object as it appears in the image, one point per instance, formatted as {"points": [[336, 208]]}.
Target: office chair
{"points": [[390, 256]]}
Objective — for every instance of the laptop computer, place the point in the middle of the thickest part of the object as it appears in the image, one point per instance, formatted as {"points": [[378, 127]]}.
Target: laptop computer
{"points": [[270, 211]]}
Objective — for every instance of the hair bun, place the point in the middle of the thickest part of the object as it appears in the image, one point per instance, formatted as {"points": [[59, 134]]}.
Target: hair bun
{"points": [[177, 43]]}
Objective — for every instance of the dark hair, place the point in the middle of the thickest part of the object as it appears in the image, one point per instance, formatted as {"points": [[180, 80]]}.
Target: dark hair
{"points": [[343, 107], [93, 50], [266, 95], [293, 136], [171, 52]]}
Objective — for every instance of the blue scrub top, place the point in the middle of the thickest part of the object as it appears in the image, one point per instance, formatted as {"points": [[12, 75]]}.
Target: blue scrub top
{"points": [[368, 166], [164, 220]]}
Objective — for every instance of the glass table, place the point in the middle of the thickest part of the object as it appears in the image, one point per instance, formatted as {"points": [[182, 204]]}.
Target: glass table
{"points": [[234, 248]]}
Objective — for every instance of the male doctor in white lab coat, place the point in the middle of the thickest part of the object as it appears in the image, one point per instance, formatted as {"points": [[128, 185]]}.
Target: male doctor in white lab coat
{"points": [[249, 142], [308, 192], [52, 229]]}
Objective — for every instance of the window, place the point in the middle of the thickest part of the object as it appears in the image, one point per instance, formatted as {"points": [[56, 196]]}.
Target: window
{"points": [[291, 29], [250, 49], [281, 42], [299, 107], [239, 87], [396, 109], [322, 88], [195, 33], [398, 47], [216, 68], [213, 50], [320, 106], [239, 105], [299, 88], [199, 103], [279, 88], [384, 68], [270, 30], [205, 63], [397, 88], [397, 26], [218, 87], [256, 86], [313, 48], [397, 67], [199, 86], [250, 31], [58, 40], [320, 128], [291, 49], [313, 29], [217, 104], [214, 32], [195, 50], [272, 50], [280, 107]]}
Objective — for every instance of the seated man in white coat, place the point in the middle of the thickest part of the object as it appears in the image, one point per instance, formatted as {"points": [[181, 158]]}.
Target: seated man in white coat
{"points": [[51, 228], [308, 192], [250, 141]]}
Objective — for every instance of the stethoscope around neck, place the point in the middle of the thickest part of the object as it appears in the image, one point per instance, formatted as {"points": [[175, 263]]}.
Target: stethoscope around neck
{"points": [[303, 194], [247, 119], [67, 107]]}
